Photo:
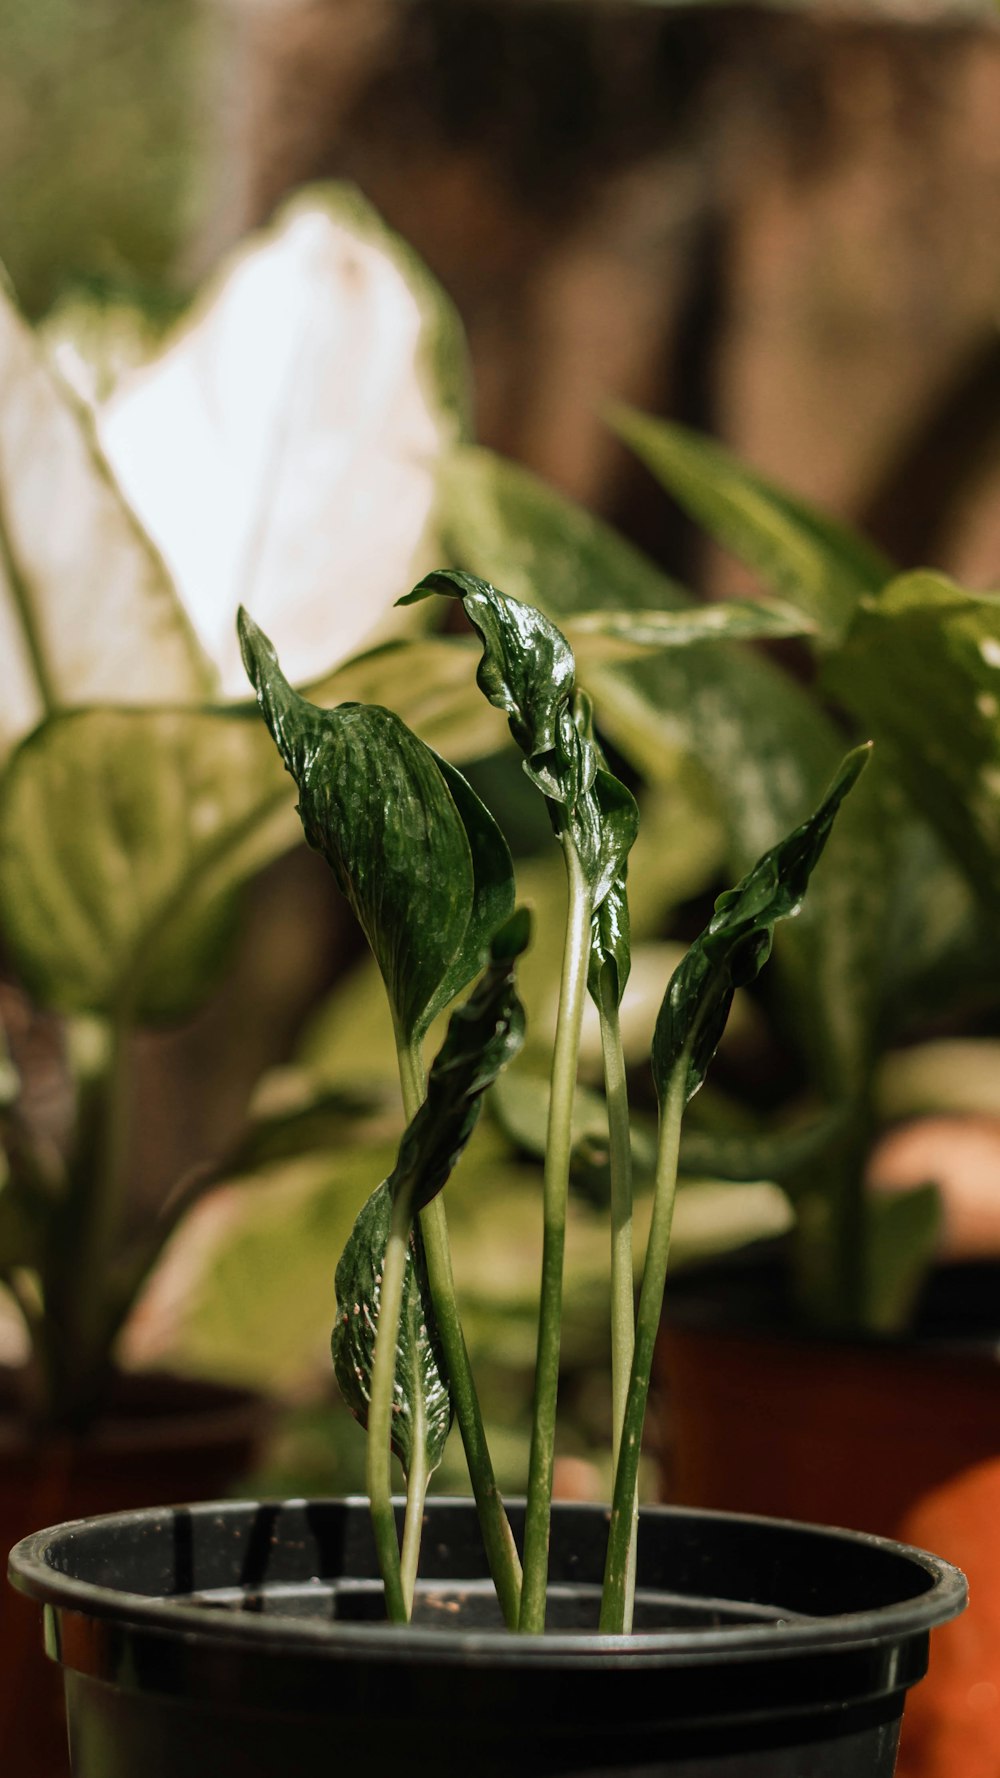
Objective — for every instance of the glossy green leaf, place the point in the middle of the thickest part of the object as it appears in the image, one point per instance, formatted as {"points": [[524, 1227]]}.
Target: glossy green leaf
{"points": [[737, 941], [921, 669], [610, 946], [412, 848], [124, 836], [820, 567], [616, 635], [87, 611], [430, 683], [422, 1396], [484, 1034], [528, 671]]}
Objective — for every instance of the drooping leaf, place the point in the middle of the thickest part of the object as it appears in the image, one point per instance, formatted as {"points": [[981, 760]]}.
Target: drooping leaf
{"points": [[484, 1034], [87, 610], [737, 941], [921, 668], [420, 860], [421, 1396], [124, 837], [601, 636], [281, 448], [528, 671], [820, 567]]}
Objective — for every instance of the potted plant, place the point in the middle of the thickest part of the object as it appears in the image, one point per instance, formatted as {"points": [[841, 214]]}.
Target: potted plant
{"points": [[703, 1644], [853, 1316]]}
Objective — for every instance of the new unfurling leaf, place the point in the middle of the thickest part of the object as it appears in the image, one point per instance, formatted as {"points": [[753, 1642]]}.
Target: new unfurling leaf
{"points": [[736, 943]]}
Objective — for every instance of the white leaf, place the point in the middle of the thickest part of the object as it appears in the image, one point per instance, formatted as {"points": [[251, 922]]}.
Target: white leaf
{"points": [[282, 449], [87, 611]]}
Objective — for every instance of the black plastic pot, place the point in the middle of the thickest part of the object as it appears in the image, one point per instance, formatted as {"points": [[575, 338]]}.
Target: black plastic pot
{"points": [[244, 1638]]}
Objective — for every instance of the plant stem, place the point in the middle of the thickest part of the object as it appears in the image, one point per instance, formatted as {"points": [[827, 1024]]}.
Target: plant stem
{"points": [[613, 1602], [498, 1539], [416, 1495], [79, 1322], [378, 1451], [559, 1137], [622, 1281]]}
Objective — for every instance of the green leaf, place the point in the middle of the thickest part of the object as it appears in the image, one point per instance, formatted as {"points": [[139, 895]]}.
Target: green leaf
{"points": [[600, 636], [498, 520], [87, 611], [484, 1034], [776, 1152], [820, 567], [901, 1232], [422, 1397], [528, 671], [124, 837], [737, 941], [430, 683], [610, 946], [921, 668], [412, 848]]}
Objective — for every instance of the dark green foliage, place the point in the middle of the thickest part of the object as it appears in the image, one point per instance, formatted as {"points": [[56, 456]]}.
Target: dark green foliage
{"points": [[411, 846], [737, 941]]}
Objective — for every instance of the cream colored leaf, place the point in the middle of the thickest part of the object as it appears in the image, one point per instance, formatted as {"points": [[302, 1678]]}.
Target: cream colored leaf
{"points": [[87, 611], [282, 448]]}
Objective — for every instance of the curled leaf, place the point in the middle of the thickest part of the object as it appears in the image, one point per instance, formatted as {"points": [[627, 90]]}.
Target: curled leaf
{"points": [[529, 672], [421, 1395], [737, 941], [484, 1034]]}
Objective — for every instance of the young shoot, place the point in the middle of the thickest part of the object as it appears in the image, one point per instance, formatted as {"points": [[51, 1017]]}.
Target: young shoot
{"points": [[430, 879]]}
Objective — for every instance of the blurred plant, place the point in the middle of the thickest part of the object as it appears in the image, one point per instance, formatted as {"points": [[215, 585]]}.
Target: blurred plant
{"points": [[305, 401], [900, 932]]}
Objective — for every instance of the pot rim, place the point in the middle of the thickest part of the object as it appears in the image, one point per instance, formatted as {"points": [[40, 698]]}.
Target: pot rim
{"points": [[32, 1572]]}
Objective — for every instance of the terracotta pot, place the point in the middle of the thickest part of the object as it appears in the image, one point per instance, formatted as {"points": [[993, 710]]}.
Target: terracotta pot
{"points": [[898, 1438], [164, 1438]]}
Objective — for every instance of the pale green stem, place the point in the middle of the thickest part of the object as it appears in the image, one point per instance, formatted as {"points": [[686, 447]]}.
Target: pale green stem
{"points": [[498, 1539], [416, 1495], [378, 1456], [622, 1281], [559, 1140], [613, 1603]]}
